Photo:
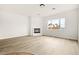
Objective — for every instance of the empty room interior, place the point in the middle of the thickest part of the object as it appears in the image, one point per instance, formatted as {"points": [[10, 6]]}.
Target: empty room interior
{"points": [[39, 29]]}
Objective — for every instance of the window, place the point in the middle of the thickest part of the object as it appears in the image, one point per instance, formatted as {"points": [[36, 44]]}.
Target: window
{"points": [[56, 23], [62, 23]]}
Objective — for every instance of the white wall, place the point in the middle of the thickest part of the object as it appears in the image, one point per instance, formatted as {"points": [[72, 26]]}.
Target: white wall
{"points": [[78, 25], [13, 25], [36, 22], [70, 30]]}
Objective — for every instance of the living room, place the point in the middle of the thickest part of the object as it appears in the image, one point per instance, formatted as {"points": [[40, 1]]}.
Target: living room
{"points": [[52, 29]]}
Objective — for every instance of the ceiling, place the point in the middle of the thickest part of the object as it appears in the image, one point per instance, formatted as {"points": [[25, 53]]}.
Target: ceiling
{"points": [[35, 9]]}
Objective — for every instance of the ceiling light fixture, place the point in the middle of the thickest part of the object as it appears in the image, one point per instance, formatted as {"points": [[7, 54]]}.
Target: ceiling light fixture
{"points": [[42, 5]]}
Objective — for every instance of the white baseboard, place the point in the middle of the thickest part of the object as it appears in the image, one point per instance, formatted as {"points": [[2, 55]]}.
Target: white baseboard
{"points": [[6, 37], [61, 37]]}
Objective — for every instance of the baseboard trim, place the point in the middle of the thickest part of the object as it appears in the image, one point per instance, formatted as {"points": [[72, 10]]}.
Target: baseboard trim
{"points": [[61, 37], [13, 37]]}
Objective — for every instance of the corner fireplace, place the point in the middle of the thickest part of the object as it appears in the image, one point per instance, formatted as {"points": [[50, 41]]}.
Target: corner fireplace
{"points": [[36, 30]]}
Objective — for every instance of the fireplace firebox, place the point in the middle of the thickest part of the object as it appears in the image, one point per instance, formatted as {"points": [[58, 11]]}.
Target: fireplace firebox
{"points": [[36, 30]]}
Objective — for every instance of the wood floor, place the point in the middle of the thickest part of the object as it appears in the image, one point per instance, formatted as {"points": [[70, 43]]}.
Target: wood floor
{"points": [[39, 45]]}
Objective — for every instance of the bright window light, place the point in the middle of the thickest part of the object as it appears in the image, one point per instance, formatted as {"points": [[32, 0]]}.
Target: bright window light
{"points": [[62, 23], [56, 23]]}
